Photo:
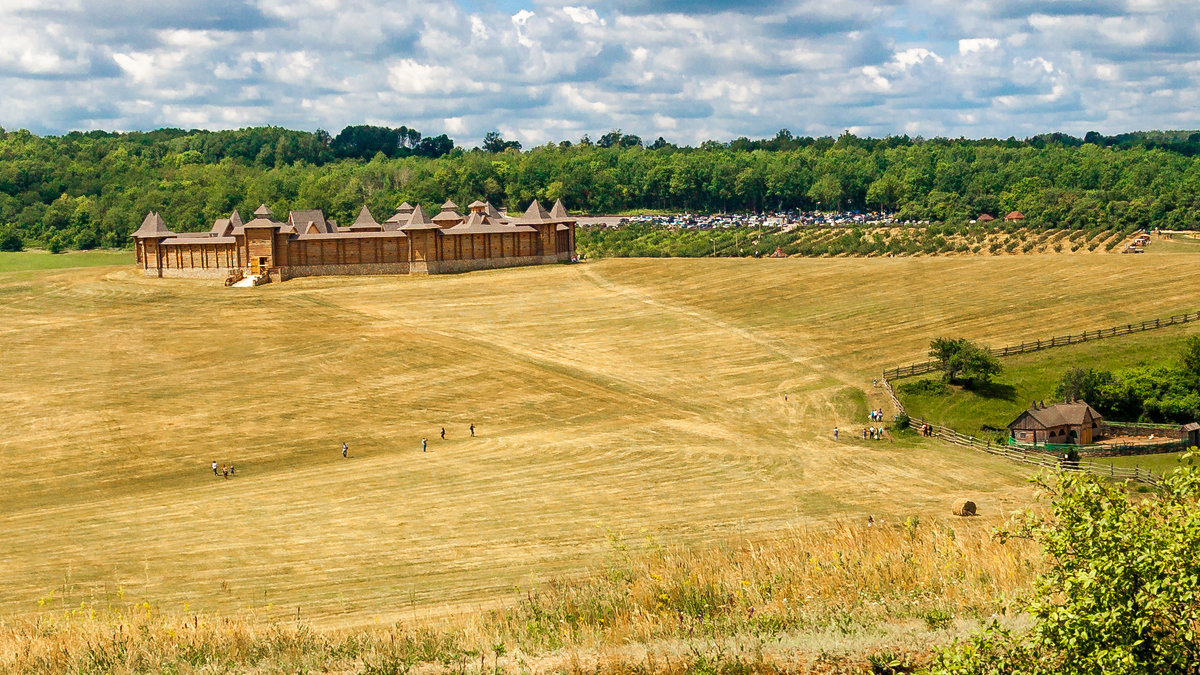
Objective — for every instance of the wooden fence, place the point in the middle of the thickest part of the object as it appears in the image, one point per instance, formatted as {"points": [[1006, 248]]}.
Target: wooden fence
{"points": [[1022, 455], [1057, 341]]}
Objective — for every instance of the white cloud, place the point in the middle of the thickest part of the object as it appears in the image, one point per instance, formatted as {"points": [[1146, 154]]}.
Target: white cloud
{"points": [[973, 45], [583, 15], [916, 55], [687, 72], [479, 29]]}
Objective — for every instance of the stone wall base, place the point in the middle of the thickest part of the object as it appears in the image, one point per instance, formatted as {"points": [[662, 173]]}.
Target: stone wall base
{"points": [[192, 272], [457, 266], [294, 271]]}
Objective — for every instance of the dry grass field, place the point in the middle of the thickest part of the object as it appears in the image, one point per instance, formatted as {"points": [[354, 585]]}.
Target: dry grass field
{"points": [[638, 397]]}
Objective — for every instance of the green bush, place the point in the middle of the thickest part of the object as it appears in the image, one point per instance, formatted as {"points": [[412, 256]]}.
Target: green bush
{"points": [[1121, 590], [10, 241], [924, 388]]}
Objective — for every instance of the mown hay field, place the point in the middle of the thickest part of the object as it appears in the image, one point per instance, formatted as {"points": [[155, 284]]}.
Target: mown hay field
{"points": [[636, 398]]}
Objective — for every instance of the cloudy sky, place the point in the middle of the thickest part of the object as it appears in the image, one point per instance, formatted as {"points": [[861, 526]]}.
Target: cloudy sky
{"points": [[540, 71]]}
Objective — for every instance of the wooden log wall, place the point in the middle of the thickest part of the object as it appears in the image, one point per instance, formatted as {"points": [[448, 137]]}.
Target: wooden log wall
{"points": [[285, 251]]}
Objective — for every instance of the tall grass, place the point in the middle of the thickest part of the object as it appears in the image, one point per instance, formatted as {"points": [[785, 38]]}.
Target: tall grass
{"points": [[726, 608]]}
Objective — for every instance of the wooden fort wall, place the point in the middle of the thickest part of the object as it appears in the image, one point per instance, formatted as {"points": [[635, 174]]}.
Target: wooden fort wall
{"points": [[364, 253]]}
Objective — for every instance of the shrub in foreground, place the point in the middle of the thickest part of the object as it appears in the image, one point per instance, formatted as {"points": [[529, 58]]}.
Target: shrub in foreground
{"points": [[1121, 590]]}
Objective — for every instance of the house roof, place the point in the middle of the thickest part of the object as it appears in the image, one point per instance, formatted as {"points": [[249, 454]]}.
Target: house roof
{"points": [[477, 204], [418, 221], [985, 217], [492, 211], [152, 226], [535, 215], [351, 235], [449, 206], [262, 211], [300, 219], [447, 217], [221, 228], [1061, 414], [479, 223], [263, 222], [1015, 215], [405, 207], [203, 240]]}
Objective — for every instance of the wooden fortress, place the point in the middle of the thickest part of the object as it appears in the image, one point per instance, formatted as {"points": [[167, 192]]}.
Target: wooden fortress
{"points": [[407, 243]]}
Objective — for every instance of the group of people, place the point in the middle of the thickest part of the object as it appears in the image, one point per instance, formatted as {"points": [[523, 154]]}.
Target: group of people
{"points": [[227, 470], [424, 443], [926, 430], [877, 415], [871, 433]]}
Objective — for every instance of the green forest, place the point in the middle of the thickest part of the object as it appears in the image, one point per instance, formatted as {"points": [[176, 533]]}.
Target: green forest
{"points": [[91, 189]]}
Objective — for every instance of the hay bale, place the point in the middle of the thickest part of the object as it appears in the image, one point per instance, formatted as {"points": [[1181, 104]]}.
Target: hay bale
{"points": [[964, 507]]}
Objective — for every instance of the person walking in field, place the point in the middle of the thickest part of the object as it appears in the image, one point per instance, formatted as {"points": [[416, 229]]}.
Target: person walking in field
{"points": [[423, 444], [225, 470], [443, 433], [214, 467], [835, 433], [472, 431], [345, 450]]}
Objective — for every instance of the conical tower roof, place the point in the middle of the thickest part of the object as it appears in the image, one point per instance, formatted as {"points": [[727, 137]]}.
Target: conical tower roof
{"points": [[419, 221], [449, 206], [535, 214], [262, 211], [559, 212], [365, 219], [153, 226]]}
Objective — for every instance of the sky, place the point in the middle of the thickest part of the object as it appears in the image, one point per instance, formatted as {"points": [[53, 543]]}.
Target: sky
{"points": [[542, 72]]}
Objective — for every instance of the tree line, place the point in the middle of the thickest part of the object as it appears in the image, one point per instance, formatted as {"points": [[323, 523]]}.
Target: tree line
{"points": [[1164, 393], [91, 189]]}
